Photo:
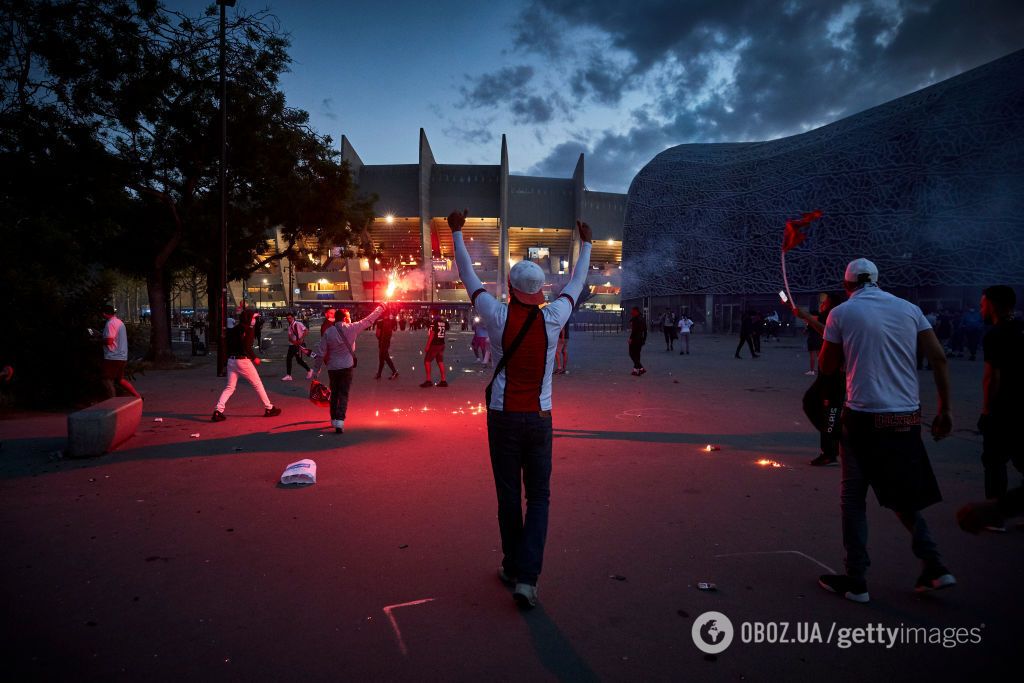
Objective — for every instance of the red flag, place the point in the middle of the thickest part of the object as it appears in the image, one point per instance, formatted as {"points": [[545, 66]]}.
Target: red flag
{"points": [[794, 235]]}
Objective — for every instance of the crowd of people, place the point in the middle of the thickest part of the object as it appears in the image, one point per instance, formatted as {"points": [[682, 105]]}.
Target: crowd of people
{"points": [[863, 345]]}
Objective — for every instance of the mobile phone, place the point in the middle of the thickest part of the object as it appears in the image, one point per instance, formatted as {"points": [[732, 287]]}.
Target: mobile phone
{"points": [[782, 295]]}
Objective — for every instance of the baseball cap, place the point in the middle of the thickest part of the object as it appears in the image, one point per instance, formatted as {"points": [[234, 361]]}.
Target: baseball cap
{"points": [[861, 270], [527, 279]]}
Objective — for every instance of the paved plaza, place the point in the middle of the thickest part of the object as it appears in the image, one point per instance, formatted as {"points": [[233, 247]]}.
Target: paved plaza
{"points": [[178, 557]]}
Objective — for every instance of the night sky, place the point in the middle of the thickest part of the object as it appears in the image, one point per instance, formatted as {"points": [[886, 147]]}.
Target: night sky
{"points": [[618, 80]]}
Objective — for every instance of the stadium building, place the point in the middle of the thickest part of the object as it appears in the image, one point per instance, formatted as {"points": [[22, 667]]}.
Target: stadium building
{"points": [[929, 186], [511, 217]]}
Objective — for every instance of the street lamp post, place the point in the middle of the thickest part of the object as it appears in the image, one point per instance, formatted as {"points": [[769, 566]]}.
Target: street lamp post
{"points": [[222, 264], [265, 283]]}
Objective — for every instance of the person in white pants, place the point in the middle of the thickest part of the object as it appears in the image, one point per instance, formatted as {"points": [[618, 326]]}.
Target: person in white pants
{"points": [[241, 362]]}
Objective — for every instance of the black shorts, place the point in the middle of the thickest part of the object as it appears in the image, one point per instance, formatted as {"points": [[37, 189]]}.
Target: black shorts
{"points": [[891, 454], [113, 369]]}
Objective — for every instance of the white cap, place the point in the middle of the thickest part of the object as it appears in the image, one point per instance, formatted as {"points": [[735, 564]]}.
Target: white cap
{"points": [[859, 267], [527, 278]]}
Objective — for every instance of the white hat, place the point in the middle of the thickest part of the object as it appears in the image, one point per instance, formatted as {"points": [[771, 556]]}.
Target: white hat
{"points": [[860, 267], [527, 278]]}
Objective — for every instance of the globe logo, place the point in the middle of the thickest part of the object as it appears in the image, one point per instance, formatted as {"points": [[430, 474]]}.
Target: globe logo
{"points": [[712, 632]]}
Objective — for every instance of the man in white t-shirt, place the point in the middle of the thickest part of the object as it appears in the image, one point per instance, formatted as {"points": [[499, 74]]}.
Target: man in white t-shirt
{"points": [[115, 354], [684, 333], [877, 335]]}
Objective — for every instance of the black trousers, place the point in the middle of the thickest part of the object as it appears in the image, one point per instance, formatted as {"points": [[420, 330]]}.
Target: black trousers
{"points": [[384, 356], [341, 383], [296, 353], [634, 354], [745, 338], [998, 448], [520, 446]]}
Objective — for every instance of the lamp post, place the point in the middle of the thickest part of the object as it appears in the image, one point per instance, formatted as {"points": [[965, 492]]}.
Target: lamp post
{"points": [[260, 304], [222, 263]]}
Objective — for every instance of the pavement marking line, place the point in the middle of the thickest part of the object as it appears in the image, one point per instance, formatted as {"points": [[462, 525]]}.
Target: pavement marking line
{"points": [[394, 624], [783, 552]]}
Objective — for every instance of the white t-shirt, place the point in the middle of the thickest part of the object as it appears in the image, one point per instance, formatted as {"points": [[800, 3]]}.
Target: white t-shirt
{"points": [[114, 329], [878, 334], [684, 325]]}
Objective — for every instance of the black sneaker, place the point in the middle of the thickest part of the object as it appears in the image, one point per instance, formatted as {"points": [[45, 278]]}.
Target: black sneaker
{"points": [[849, 587], [442, 383], [643, 371], [218, 416], [376, 376], [934, 579], [824, 461], [272, 412], [426, 384]]}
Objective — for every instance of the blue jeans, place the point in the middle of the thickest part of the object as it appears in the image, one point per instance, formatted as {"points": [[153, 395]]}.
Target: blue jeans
{"points": [[853, 503], [520, 445]]}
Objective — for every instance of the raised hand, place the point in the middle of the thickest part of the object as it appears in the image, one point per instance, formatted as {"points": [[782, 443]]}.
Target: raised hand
{"points": [[585, 233], [456, 219]]}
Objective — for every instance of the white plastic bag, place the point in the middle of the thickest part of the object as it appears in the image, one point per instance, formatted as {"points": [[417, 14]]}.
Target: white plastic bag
{"points": [[301, 472]]}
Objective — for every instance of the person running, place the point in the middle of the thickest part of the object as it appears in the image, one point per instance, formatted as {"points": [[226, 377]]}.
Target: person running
{"points": [[296, 347], [434, 351], [115, 354], [685, 325], [877, 335], [385, 328], [1002, 388], [337, 350], [637, 339], [746, 334], [519, 431], [242, 363]]}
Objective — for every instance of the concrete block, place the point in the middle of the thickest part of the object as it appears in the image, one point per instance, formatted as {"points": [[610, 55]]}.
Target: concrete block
{"points": [[103, 427]]}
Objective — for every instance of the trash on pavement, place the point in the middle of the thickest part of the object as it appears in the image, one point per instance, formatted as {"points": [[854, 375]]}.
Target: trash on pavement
{"points": [[301, 473]]}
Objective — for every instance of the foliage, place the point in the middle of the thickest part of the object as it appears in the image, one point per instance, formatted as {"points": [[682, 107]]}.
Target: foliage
{"points": [[112, 107]]}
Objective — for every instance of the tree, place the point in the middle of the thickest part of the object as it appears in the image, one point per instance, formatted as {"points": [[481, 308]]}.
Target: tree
{"points": [[144, 78]]}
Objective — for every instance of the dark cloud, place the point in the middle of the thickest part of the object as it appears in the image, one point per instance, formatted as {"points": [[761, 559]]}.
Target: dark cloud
{"points": [[476, 133], [500, 86], [327, 108], [509, 87], [734, 70], [601, 79], [533, 109]]}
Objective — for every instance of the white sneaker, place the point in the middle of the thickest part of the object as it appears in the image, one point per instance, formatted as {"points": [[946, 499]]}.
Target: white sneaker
{"points": [[810, 373], [309, 374], [286, 378], [525, 595], [338, 424]]}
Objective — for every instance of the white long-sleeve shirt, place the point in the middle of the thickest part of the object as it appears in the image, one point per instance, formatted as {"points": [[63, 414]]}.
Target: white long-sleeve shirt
{"points": [[334, 349], [525, 383]]}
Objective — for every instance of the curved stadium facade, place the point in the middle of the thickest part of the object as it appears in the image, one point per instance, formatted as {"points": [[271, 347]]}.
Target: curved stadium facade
{"points": [[929, 186]]}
